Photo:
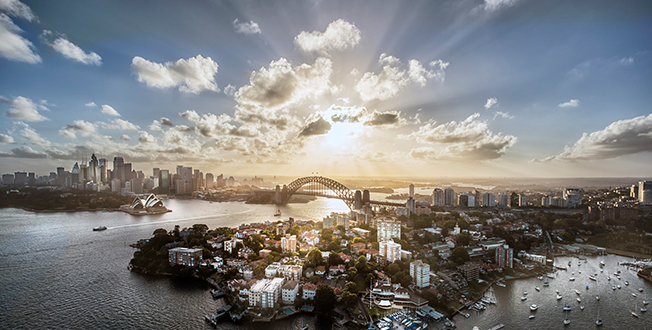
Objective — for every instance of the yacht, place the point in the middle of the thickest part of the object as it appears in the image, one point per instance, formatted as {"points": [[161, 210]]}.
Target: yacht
{"points": [[618, 286], [626, 283], [531, 317], [598, 322], [579, 300], [643, 309], [539, 278], [634, 295], [640, 289], [601, 263], [305, 327], [579, 272], [571, 279], [533, 307], [597, 297], [577, 292], [501, 284], [592, 278], [566, 320], [559, 296], [582, 308], [524, 297], [550, 276], [608, 278], [525, 293], [613, 288], [567, 308], [100, 228], [634, 312], [537, 288], [546, 283]]}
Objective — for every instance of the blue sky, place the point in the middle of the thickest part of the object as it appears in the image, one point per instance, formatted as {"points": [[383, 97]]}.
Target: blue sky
{"points": [[513, 88]]}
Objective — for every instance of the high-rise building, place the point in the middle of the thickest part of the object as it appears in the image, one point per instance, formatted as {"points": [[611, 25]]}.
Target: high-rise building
{"points": [[390, 250], [471, 200], [645, 192], [503, 200], [411, 190], [488, 199], [438, 197], [289, 243], [449, 197], [60, 176], [463, 200], [514, 200], [210, 181], [20, 178], [504, 256], [155, 171], [420, 273], [164, 182], [522, 200], [572, 197], [31, 178], [231, 182], [411, 205], [8, 179], [387, 229]]}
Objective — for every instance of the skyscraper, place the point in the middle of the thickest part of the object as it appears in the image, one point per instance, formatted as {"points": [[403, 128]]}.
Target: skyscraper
{"points": [[488, 199], [645, 192], [504, 256], [438, 197], [411, 190], [449, 197]]}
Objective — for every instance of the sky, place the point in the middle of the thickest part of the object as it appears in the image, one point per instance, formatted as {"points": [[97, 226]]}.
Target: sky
{"points": [[465, 88]]}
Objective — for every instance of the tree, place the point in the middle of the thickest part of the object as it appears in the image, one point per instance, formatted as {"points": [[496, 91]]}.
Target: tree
{"points": [[460, 253], [463, 239], [325, 298], [200, 227], [393, 268], [315, 257], [160, 232], [349, 299], [326, 234]]}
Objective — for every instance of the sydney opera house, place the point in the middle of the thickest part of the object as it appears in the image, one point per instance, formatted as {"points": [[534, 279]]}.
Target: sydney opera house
{"points": [[144, 206]]}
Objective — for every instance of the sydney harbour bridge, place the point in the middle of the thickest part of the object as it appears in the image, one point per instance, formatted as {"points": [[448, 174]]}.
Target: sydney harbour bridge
{"points": [[326, 187]]}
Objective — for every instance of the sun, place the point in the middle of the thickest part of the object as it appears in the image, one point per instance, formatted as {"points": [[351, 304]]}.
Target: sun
{"points": [[342, 135]]}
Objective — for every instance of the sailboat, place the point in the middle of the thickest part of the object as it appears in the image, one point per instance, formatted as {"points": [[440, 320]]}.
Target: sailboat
{"points": [[599, 320], [278, 213], [566, 320]]}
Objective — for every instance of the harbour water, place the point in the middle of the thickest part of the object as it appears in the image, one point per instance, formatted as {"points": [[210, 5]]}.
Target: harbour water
{"points": [[615, 307], [57, 273]]}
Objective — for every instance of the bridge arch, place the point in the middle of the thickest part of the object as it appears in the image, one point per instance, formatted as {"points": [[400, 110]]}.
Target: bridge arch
{"points": [[340, 190]]}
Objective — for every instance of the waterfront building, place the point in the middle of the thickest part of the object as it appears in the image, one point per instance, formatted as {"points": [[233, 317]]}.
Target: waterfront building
{"points": [[289, 243], [390, 250], [438, 197], [210, 180], [289, 292], [309, 291], [449, 197], [504, 256], [184, 256], [420, 273], [514, 200], [388, 229], [470, 271], [328, 222]]}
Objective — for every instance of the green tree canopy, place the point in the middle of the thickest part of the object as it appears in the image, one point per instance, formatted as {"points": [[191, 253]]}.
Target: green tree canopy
{"points": [[325, 298], [315, 257]]}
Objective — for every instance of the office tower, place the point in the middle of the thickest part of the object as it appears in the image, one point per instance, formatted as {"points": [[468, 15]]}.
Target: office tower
{"points": [[463, 200], [488, 200], [155, 171], [60, 178], [31, 178], [449, 197], [420, 273], [8, 179], [411, 205], [230, 182], [503, 200], [478, 198], [572, 197], [645, 192], [411, 190], [438, 197], [522, 200], [471, 200], [210, 181], [514, 200], [164, 182]]}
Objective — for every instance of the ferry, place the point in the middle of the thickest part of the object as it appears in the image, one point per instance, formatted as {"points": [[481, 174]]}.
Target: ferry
{"points": [[100, 228]]}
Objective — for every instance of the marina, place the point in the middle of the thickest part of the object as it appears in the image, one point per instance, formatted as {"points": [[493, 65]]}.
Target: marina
{"points": [[609, 308]]}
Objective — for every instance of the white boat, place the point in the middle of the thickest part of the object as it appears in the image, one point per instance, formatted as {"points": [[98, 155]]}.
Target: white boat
{"points": [[571, 279], [608, 278], [579, 300], [640, 289], [500, 284], [643, 309], [559, 297], [100, 228], [577, 292], [579, 272], [601, 263], [524, 297], [305, 327], [533, 307], [567, 308], [531, 317], [597, 297], [613, 288], [598, 322], [537, 288], [539, 278], [550, 276], [618, 286], [634, 295], [626, 283], [592, 278], [634, 312], [566, 320]]}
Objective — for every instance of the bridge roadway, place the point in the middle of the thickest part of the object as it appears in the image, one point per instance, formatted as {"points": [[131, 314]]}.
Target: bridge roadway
{"points": [[370, 201]]}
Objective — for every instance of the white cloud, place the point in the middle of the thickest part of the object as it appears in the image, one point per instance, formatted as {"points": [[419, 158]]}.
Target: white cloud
{"points": [[125, 137], [193, 75], [69, 50], [25, 109], [493, 5], [620, 138], [339, 35], [78, 126], [210, 125], [491, 102], [12, 45], [119, 124], [6, 139], [570, 104], [30, 135], [16, 8], [146, 138], [250, 27], [24, 152], [385, 119], [503, 115], [315, 126], [90, 104], [107, 109], [392, 79], [470, 139], [271, 91], [229, 90], [627, 61]]}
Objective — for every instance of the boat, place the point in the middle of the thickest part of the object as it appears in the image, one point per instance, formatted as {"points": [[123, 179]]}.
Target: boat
{"points": [[579, 300], [579, 272], [626, 283], [539, 278], [634, 295], [577, 292], [278, 213], [550, 276], [634, 312], [531, 317], [305, 327], [533, 307], [598, 322], [524, 297], [582, 308], [100, 228], [608, 278], [613, 288], [567, 308], [587, 287], [571, 279], [546, 283], [500, 284], [466, 315], [569, 263], [537, 288], [559, 297], [566, 320], [640, 289], [592, 278], [601, 263], [525, 293], [597, 297], [643, 309], [618, 286]]}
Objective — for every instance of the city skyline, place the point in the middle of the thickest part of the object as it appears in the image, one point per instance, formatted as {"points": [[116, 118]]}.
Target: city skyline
{"points": [[494, 88]]}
